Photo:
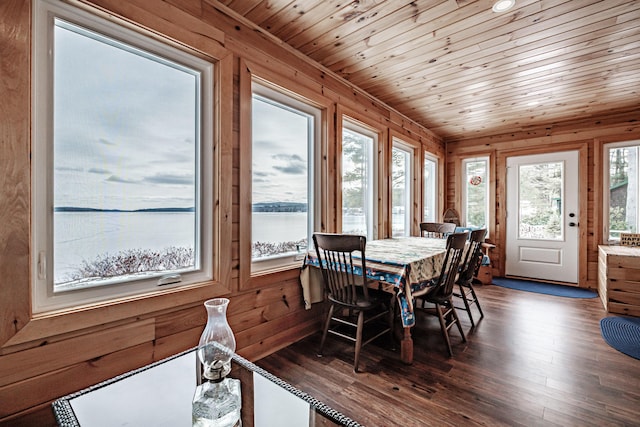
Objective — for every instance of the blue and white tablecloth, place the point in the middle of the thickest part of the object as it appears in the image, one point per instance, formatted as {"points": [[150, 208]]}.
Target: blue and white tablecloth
{"points": [[407, 263]]}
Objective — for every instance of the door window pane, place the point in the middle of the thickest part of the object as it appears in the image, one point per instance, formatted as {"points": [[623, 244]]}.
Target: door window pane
{"points": [[357, 180], [623, 190], [400, 191], [283, 132], [540, 201]]}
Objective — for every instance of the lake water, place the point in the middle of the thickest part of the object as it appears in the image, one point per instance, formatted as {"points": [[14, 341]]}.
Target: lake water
{"points": [[85, 235], [82, 236]]}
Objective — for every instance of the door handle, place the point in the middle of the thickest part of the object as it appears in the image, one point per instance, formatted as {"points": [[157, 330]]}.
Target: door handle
{"points": [[573, 224]]}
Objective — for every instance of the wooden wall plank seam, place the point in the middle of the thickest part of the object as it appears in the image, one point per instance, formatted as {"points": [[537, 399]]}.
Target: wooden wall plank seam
{"points": [[56, 383], [49, 357]]}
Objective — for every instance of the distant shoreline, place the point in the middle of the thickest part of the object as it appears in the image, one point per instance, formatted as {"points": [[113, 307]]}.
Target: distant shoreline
{"points": [[284, 207], [76, 209]]}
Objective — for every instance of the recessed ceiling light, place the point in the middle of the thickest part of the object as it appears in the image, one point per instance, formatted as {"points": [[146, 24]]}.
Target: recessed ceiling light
{"points": [[503, 5]]}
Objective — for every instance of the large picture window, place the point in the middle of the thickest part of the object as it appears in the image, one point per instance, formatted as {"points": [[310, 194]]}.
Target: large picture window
{"points": [[122, 161], [285, 133], [358, 179], [621, 189]]}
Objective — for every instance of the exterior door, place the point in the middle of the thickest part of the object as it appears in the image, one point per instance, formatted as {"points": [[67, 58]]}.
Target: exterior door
{"points": [[542, 216]]}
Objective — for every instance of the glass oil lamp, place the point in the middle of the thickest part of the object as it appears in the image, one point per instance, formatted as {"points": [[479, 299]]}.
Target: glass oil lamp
{"points": [[217, 400]]}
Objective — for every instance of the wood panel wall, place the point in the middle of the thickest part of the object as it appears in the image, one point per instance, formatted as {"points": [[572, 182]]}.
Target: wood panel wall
{"points": [[586, 136], [45, 357]]}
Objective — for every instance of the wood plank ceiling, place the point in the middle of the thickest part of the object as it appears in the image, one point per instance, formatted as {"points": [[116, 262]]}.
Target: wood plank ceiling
{"points": [[462, 70]]}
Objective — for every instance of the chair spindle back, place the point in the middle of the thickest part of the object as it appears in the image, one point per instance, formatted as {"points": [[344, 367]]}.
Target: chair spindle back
{"points": [[473, 258], [456, 243], [342, 276], [438, 230]]}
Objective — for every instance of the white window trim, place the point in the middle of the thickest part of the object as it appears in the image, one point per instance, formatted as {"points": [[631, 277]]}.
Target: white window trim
{"points": [[464, 192], [436, 208], [43, 298], [605, 185], [372, 166], [275, 262], [409, 168]]}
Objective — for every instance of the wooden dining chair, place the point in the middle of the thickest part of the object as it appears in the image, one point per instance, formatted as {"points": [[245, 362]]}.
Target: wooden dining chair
{"points": [[468, 272], [441, 292], [354, 307], [438, 230]]}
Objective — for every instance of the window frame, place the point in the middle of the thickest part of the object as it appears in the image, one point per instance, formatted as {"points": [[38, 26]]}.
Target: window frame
{"points": [[215, 268], [429, 157], [606, 166], [271, 92], [487, 204], [289, 84], [410, 187], [356, 126]]}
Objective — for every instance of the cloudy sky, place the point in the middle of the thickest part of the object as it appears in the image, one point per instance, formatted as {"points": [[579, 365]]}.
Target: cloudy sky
{"points": [[124, 128], [279, 154], [124, 132]]}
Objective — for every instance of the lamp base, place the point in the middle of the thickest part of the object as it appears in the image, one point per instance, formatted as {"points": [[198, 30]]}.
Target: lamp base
{"points": [[217, 404]]}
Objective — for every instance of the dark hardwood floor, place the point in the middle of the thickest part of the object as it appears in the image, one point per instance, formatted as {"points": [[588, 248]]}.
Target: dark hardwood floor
{"points": [[534, 360]]}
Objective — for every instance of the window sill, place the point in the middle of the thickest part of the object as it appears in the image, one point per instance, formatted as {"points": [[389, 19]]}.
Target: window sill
{"points": [[277, 274], [68, 321]]}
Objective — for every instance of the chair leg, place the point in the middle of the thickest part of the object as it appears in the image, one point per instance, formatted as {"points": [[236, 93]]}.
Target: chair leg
{"points": [[457, 320], [476, 301], [467, 306], [358, 340], [443, 327], [326, 329]]}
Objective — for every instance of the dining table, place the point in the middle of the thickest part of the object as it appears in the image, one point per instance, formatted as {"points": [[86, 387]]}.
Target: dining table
{"points": [[400, 265]]}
